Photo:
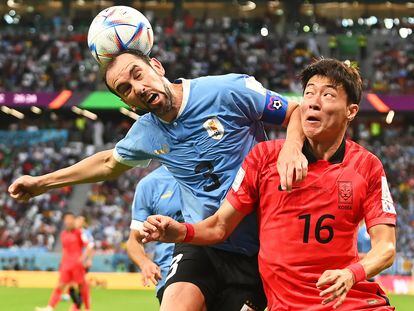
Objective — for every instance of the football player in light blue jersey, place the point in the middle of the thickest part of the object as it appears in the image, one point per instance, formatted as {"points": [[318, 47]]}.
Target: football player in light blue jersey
{"points": [[201, 130], [156, 193]]}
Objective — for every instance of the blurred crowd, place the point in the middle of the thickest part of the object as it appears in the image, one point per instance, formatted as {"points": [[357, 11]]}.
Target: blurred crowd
{"points": [[46, 60], [393, 66], [38, 222], [108, 209]]}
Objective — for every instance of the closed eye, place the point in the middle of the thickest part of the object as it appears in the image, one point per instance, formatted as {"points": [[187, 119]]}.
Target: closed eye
{"points": [[124, 89]]}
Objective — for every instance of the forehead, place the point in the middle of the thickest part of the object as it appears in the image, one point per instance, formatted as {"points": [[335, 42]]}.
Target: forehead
{"points": [[322, 81], [120, 64]]}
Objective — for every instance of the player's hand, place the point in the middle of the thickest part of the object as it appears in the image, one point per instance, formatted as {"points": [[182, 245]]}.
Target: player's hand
{"points": [[292, 165], [25, 188], [163, 229], [339, 282], [151, 273]]}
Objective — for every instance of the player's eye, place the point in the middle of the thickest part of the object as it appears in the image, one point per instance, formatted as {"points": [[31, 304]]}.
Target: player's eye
{"points": [[308, 93], [125, 89], [136, 74], [330, 95]]}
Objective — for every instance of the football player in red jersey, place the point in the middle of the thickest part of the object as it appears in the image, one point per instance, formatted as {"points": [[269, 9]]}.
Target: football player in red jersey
{"points": [[71, 270], [308, 256]]}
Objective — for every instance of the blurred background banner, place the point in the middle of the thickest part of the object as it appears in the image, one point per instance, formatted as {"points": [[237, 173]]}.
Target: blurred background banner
{"points": [[49, 279]]}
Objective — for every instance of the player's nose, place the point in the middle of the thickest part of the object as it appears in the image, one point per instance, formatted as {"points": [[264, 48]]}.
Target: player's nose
{"points": [[137, 88], [315, 103]]}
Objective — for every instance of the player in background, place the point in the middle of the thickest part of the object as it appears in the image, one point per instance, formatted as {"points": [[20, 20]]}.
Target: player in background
{"points": [[84, 297], [75, 254], [201, 130], [156, 193], [308, 257]]}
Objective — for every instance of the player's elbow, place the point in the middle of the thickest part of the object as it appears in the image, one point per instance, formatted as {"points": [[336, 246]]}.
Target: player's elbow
{"points": [[221, 234]]}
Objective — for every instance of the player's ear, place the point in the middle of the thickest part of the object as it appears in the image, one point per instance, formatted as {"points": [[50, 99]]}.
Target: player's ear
{"points": [[157, 66], [352, 111]]}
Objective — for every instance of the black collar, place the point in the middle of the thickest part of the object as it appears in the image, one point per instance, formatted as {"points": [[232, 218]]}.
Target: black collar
{"points": [[337, 157]]}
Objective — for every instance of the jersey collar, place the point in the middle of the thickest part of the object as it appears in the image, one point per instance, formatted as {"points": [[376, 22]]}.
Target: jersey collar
{"points": [[186, 94], [336, 158]]}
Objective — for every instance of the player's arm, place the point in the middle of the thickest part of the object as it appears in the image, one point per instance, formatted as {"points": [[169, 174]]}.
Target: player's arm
{"points": [[98, 167], [292, 165], [136, 252], [89, 250], [212, 230], [380, 257], [382, 254]]}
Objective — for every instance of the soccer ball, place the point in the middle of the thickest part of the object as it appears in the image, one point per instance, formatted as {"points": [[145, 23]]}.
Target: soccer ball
{"points": [[116, 29]]}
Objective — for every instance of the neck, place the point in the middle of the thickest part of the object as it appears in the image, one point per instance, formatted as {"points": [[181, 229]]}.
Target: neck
{"points": [[325, 149], [177, 100]]}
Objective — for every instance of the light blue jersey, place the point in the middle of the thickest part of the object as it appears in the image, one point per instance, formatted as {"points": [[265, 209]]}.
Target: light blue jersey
{"points": [[219, 122], [158, 193]]}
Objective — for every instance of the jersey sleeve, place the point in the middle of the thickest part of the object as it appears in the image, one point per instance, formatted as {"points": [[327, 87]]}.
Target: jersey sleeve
{"points": [[244, 192], [128, 151], [257, 103], [142, 204], [378, 205]]}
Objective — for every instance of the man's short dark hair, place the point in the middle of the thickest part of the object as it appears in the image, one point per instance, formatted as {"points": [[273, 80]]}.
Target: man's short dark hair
{"points": [[108, 66], [340, 73]]}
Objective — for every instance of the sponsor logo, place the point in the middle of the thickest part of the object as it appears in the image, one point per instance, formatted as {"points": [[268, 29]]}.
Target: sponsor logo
{"points": [[345, 192], [214, 128], [167, 195], [248, 306], [386, 198], [372, 301], [163, 150]]}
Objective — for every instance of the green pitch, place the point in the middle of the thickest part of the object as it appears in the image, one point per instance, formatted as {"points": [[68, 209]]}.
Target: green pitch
{"points": [[25, 299]]}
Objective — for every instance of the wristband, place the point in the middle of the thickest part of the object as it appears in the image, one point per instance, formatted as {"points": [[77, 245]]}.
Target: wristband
{"points": [[189, 235], [358, 271]]}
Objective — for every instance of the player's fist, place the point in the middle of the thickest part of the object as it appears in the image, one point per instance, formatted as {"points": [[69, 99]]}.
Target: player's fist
{"points": [[292, 165], [26, 187], [163, 229], [150, 273], [339, 282]]}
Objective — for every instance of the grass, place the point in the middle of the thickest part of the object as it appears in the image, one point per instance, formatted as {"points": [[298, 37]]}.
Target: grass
{"points": [[25, 299]]}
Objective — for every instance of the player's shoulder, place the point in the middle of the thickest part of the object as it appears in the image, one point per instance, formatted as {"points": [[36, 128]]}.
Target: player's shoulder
{"points": [[364, 161], [267, 151], [222, 82]]}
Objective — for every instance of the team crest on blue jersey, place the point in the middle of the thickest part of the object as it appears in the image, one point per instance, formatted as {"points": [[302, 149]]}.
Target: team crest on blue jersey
{"points": [[214, 128], [345, 198]]}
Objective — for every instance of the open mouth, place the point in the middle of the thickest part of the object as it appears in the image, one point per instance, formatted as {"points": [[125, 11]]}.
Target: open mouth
{"points": [[152, 98], [312, 119]]}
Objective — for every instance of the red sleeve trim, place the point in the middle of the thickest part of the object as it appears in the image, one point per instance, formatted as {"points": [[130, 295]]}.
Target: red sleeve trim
{"points": [[239, 206], [381, 221]]}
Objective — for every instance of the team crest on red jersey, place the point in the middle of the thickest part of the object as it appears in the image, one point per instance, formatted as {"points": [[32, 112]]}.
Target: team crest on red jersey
{"points": [[345, 198]]}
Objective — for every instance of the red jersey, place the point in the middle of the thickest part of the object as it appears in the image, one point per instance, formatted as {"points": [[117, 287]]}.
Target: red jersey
{"points": [[72, 246], [314, 227]]}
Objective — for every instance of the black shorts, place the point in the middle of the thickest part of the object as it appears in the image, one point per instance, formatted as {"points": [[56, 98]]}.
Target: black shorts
{"points": [[160, 293], [228, 281]]}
